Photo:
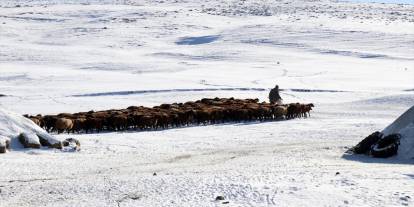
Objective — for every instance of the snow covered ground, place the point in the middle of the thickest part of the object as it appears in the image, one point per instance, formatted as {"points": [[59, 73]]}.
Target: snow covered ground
{"points": [[354, 61]]}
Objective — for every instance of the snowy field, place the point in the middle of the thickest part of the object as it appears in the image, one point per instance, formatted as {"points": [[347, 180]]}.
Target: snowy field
{"points": [[354, 61]]}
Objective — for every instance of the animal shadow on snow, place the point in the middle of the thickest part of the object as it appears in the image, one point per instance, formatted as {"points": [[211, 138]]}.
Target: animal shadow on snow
{"points": [[191, 126]]}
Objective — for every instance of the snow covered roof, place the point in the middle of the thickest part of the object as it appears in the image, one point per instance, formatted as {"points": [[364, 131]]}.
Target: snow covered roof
{"points": [[404, 125], [13, 124]]}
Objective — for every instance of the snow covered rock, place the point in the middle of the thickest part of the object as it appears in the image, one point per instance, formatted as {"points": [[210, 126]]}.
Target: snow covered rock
{"points": [[29, 140], [49, 141], [15, 127]]}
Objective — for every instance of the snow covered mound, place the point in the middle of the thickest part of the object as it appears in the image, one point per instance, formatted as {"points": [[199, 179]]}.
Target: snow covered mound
{"points": [[13, 124], [403, 125]]}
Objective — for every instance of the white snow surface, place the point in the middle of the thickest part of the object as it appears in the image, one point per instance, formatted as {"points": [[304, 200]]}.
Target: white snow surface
{"points": [[354, 61], [404, 125]]}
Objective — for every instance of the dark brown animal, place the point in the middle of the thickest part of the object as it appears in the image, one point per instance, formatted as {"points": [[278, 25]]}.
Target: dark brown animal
{"points": [[306, 108], [63, 124]]}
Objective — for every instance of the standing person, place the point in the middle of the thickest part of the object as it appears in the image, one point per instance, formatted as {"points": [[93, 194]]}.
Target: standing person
{"points": [[274, 96]]}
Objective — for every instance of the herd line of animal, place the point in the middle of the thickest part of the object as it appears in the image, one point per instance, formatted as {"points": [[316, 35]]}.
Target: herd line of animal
{"points": [[201, 112]]}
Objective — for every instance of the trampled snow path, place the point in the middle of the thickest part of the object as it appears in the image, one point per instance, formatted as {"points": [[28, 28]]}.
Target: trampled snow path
{"points": [[362, 53]]}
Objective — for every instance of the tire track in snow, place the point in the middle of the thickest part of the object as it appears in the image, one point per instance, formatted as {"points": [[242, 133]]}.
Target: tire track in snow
{"points": [[183, 90]]}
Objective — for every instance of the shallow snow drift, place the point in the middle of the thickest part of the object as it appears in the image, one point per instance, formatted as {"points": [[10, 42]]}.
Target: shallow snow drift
{"points": [[12, 125], [404, 125]]}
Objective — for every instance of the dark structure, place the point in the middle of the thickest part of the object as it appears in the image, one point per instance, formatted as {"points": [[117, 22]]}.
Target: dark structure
{"points": [[386, 146], [274, 96], [378, 145], [365, 145]]}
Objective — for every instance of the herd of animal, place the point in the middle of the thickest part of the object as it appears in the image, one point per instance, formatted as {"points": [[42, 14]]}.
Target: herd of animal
{"points": [[201, 112]]}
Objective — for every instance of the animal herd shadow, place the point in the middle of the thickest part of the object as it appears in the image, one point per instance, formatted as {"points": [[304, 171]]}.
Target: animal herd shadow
{"points": [[130, 130]]}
